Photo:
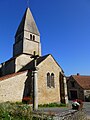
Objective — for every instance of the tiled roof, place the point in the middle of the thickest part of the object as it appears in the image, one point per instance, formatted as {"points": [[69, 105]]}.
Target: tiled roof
{"points": [[30, 65], [11, 75], [40, 59], [83, 81]]}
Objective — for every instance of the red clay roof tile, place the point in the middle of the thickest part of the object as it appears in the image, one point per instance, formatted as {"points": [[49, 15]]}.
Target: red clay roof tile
{"points": [[83, 81]]}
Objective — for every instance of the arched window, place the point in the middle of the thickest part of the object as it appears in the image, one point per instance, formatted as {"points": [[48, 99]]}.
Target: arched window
{"points": [[33, 38], [30, 36], [48, 80], [52, 80]]}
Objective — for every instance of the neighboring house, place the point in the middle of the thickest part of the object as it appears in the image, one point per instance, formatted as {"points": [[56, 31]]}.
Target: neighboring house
{"points": [[16, 79], [78, 87]]}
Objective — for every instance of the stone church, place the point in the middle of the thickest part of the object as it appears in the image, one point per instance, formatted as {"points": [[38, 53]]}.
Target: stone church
{"points": [[16, 74]]}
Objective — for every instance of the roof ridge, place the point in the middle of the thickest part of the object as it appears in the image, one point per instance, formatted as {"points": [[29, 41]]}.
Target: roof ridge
{"points": [[82, 75], [42, 58], [44, 55]]}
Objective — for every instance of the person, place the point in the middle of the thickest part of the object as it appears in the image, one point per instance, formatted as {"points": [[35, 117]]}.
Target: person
{"points": [[75, 105]]}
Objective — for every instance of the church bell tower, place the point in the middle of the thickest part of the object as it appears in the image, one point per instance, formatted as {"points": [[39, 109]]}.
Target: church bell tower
{"points": [[27, 38]]}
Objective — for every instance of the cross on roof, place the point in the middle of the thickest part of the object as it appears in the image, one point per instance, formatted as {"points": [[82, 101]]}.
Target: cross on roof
{"points": [[34, 55]]}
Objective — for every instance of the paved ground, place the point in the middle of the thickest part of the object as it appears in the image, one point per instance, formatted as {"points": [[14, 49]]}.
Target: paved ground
{"points": [[87, 108], [61, 110], [55, 110]]}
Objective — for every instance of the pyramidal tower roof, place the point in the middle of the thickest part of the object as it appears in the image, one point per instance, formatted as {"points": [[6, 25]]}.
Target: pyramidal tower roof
{"points": [[27, 24]]}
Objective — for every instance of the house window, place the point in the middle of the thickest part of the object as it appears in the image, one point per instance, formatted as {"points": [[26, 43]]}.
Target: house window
{"points": [[48, 80], [52, 80], [33, 38], [73, 84], [30, 36]]}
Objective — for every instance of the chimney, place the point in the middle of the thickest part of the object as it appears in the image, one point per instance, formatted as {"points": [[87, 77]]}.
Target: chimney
{"points": [[78, 74]]}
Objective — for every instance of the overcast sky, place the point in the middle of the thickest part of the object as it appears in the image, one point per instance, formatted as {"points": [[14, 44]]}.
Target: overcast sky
{"points": [[64, 26]]}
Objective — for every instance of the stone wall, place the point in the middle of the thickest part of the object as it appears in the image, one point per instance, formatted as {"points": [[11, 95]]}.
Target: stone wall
{"points": [[23, 44], [76, 87], [18, 48], [12, 88], [68, 115], [15, 64], [46, 94], [71, 115], [8, 67], [27, 36], [30, 46], [21, 62]]}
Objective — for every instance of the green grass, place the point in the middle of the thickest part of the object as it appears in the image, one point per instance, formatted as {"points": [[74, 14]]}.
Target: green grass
{"points": [[53, 105]]}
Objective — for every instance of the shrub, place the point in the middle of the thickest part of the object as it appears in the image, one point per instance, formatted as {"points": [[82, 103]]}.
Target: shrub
{"points": [[12, 111], [27, 100], [53, 105]]}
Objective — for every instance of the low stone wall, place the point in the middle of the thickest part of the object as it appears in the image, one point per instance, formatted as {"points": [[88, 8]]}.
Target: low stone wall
{"points": [[70, 115]]}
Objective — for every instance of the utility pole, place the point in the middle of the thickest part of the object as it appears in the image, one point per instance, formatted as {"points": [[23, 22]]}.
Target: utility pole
{"points": [[35, 82]]}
